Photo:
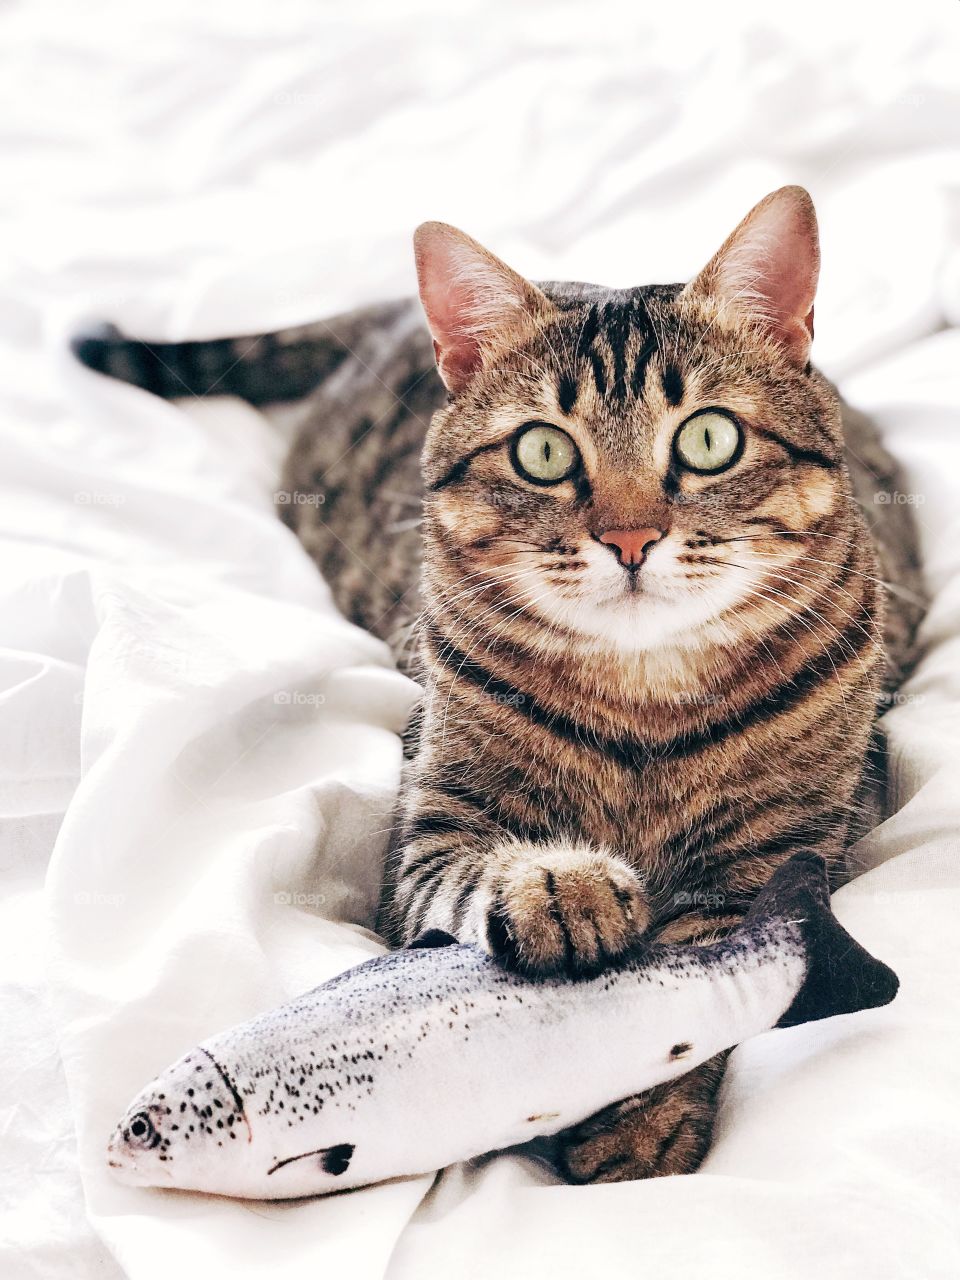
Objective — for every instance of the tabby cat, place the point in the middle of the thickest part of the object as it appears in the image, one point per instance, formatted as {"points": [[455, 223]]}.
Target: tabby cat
{"points": [[630, 561]]}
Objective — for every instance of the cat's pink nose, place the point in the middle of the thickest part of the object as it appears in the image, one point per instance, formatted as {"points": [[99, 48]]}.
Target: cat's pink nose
{"points": [[631, 545]]}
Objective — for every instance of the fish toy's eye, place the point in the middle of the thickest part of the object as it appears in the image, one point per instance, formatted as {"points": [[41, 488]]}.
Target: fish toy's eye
{"points": [[141, 1127], [709, 441], [543, 454]]}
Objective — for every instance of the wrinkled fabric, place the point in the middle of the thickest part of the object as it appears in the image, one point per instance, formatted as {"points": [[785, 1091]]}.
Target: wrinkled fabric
{"points": [[198, 756]]}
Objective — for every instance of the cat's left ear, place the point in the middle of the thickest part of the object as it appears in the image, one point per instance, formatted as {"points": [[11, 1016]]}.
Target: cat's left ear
{"points": [[476, 306], [767, 270]]}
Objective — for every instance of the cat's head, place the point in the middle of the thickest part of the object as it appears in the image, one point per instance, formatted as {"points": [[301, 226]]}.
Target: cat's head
{"points": [[631, 468]]}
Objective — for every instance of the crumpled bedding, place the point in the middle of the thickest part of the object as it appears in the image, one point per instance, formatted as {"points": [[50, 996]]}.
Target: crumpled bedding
{"points": [[198, 756]]}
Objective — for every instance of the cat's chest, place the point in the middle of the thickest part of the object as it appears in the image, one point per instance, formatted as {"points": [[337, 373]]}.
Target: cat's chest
{"points": [[636, 810]]}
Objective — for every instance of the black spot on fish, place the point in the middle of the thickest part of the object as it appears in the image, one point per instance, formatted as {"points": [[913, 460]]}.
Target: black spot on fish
{"points": [[336, 1160]]}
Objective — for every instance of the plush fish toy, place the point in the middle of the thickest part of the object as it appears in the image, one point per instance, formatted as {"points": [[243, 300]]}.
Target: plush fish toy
{"points": [[420, 1058]]}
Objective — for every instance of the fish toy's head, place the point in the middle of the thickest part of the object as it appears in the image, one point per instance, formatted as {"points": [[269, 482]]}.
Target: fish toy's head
{"points": [[177, 1130], [138, 1151]]}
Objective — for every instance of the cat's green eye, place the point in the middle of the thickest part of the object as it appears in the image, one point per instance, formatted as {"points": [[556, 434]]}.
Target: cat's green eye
{"points": [[544, 454], [709, 441]]}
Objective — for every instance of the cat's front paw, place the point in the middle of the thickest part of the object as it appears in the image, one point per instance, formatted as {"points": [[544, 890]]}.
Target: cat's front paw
{"points": [[565, 909]]}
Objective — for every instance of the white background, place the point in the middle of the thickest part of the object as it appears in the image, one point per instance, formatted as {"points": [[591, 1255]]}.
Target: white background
{"points": [[197, 758]]}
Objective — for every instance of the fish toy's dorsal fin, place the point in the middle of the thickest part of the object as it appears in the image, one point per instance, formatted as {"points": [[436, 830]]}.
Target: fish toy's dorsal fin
{"points": [[842, 976], [434, 938]]}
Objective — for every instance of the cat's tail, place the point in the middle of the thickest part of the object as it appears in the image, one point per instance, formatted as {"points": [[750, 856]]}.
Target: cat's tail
{"points": [[261, 368]]}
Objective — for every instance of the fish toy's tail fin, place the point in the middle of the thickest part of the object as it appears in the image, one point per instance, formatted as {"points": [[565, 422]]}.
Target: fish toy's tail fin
{"points": [[842, 976]]}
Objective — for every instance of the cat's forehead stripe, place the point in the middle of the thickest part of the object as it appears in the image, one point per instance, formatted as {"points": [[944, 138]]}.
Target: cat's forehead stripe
{"points": [[607, 336]]}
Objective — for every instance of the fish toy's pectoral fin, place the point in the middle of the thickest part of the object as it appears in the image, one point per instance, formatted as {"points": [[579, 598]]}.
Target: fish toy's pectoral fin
{"points": [[434, 938], [336, 1160], [332, 1160]]}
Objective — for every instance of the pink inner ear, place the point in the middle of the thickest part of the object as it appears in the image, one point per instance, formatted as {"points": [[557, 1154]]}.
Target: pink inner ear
{"points": [[468, 295], [458, 361], [769, 268], [447, 303], [788, 279]]}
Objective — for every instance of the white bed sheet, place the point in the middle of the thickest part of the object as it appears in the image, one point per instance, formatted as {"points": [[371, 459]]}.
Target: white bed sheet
{"points": [[198, 757]]}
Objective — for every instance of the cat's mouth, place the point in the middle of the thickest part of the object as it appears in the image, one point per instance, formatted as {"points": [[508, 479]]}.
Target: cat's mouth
{"points": [[667, 598], [636, 586]]}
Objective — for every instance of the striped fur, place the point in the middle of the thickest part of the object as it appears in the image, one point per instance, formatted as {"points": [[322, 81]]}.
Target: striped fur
{"points": [[590, 763], [703, 759], [579, 781]]}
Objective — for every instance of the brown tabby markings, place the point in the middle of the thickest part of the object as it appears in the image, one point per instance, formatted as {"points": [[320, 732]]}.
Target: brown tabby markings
{"points": [[572, 790], [577, 779], [641, 741]]}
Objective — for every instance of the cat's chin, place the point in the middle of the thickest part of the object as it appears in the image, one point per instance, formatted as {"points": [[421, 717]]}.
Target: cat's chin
{"points": [[645, 619], [639, 596], [662, 612], [632, 620]]}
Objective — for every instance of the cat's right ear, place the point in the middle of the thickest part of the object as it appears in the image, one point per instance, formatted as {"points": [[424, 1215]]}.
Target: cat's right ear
{"points": [[474, 303], [767, 270]]}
